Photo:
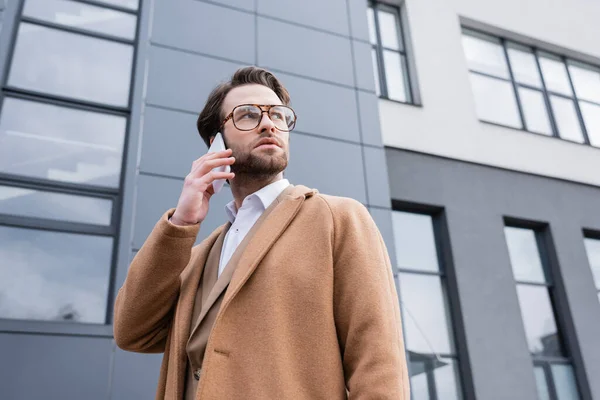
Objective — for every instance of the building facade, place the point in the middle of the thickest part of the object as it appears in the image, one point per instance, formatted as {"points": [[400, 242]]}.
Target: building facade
{"points": [[469, 129]]}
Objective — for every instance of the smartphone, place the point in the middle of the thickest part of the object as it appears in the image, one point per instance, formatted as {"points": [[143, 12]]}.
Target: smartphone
{"points": [[218, 145]]}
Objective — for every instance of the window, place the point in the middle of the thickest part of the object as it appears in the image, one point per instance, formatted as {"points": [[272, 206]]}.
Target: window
{"points": [[64, 116], [389, 53], [526, 88], [537, 298], [427, 321], [592, 247]]}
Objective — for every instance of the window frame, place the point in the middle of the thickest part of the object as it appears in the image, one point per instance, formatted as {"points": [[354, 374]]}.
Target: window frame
{"points": [[537, 53], [594, 235], [557, 294], [448, 281], [379, 49], [115, 194]]}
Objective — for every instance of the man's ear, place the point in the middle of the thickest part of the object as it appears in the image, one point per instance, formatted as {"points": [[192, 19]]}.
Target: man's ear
{"points": [[212, 138]]}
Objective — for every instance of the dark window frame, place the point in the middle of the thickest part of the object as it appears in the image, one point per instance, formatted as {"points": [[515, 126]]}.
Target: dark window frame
{"points": [[449, 284], [115, 194], [595, 235], [560, 308], [546, 93], [379, 49]]}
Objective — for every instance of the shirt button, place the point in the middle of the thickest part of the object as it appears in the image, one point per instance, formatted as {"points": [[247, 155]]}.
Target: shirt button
{"points": [[197, 374]]}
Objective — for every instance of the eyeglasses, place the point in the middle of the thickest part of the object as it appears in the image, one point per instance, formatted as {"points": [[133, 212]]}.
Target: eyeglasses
{"points": [[246, 117]]}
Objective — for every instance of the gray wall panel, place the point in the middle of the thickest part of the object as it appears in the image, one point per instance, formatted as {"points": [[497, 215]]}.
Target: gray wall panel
{"points": [[363, 62], [358, 19], [377, 177], [205, 28], [182, 80], [54, 367], [329, 15], [242, 4], [170, 143], [332, 167], [304, 51], [323, 109], [368, 108], [476, 199], [135, 376]]}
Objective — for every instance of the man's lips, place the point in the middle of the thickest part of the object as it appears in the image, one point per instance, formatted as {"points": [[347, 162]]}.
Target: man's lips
{"points": [[267, 143]]}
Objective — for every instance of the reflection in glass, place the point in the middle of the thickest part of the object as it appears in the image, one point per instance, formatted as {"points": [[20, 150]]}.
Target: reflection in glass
{"points": [[524, 66], [426, 316], [71, 65], [534, 110], [555, 75], [592, 247], [388, 29], [414, 241], [485, 55], [56, 206], [564, 382], [586, 80], [541, 383], [82, 16], [371, 21], [441, 374], [495, 101], [419, 385], [524, 255], [591, 117], [395, 74], [62, 144], [53, 276], [567, 122], [539, 321]]}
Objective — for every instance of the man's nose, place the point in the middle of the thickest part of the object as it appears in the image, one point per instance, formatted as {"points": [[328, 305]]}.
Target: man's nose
{"points": [[266, 124]]}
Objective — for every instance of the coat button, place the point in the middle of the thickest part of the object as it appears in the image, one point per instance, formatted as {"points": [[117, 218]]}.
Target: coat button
{"points": [[197, 374]]}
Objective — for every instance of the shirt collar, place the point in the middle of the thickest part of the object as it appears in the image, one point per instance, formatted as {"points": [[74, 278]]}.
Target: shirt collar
{"points": [[266, 197]]}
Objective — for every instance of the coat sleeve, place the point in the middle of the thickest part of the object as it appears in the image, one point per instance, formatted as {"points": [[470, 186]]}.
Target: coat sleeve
{"points": [[366, 307], [146, 302]]}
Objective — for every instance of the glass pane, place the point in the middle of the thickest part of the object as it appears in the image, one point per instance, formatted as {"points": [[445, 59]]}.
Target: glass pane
{"points": [[485, 55], [564, 382], [534, 110], [56, 206], [131, 4], [566, 118], [53, 276], [524, 66], [376, 72], [71, 65], [446, 380], [592, 247], [426, 316], [371, 22], [542, 384], [82, 16], [586, 80], [442, 374], [419, 383], [524, 255], [414, 241], [495, 101], [539, 321], [395, 75], [388, 29], [61, 144], [591, 117], [555, 75]]}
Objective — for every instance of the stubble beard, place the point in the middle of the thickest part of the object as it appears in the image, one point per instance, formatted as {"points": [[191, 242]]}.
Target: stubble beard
{"points": [[258, 164]]}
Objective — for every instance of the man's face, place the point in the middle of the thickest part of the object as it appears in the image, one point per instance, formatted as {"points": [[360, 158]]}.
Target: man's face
{"points": [[251, 158]]}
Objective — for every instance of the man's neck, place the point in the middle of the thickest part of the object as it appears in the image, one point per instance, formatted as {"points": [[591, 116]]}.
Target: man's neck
{"points": [[244, 185]]}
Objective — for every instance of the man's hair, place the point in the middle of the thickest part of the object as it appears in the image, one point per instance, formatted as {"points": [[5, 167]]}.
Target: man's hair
{"points": [[211, 117]]}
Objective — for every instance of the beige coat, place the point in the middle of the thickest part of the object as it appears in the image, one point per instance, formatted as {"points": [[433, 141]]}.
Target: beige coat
{"points": [[311, 310]]}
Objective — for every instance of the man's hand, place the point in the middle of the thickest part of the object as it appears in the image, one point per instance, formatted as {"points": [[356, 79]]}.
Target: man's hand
{"points": [[192, 206]]}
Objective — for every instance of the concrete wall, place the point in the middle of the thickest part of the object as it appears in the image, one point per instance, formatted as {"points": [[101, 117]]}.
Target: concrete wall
{"points": [[475, 200], [447, 124]]}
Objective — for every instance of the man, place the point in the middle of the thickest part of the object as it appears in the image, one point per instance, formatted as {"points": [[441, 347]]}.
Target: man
{"points": [[293, 298]]}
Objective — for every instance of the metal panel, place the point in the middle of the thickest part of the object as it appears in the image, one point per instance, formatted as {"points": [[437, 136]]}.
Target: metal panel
{"points": [[368, 109], [182, 80], [134, 375], [363, 62], [377, 177], [205, 28], [358, 19], [329, 15], [304, 51], [241, 4], [54, 367], [170, 142]]}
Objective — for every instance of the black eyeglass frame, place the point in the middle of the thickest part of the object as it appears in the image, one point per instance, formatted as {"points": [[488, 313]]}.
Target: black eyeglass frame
{"points": [[262, 109]]}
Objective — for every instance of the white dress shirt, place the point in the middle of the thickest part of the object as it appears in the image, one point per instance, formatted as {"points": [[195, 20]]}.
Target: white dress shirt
{"points": [[243, 219]]}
